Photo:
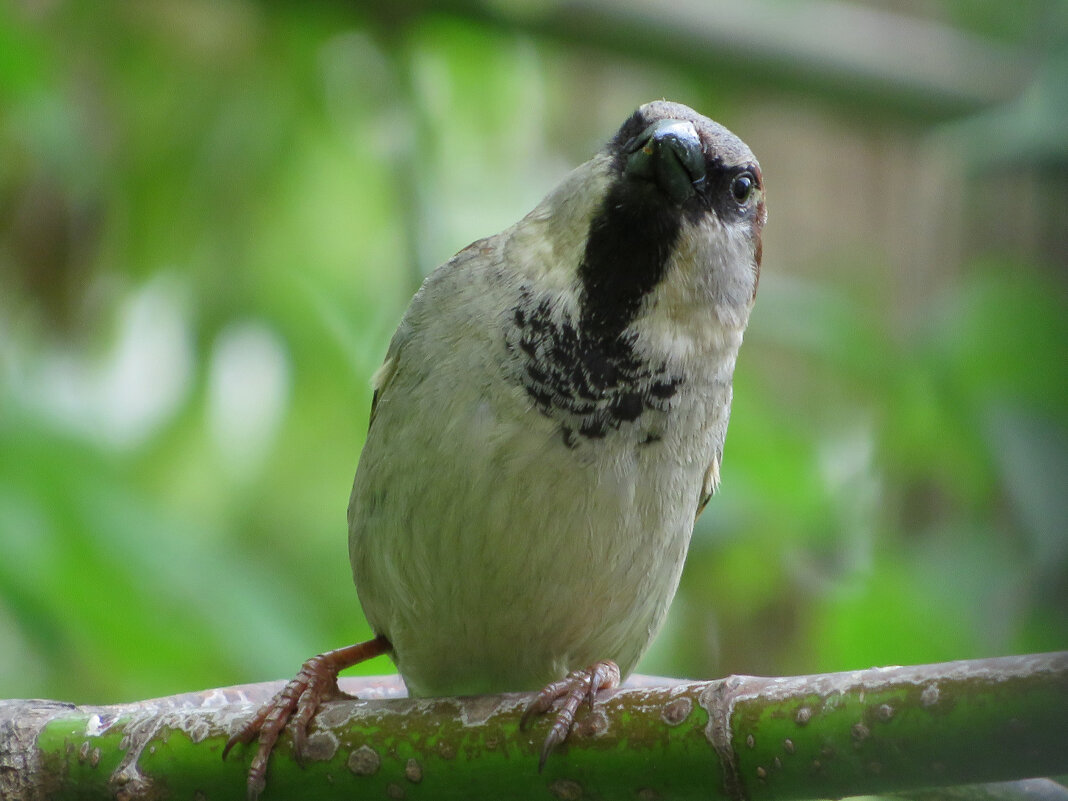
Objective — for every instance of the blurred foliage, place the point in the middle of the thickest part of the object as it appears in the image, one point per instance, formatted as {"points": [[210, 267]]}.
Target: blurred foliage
{"points": [[212, 216]]}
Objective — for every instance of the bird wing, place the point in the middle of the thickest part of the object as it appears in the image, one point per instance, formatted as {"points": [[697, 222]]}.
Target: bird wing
{"points": [[708, 486], [415, 318], [381, 379]]}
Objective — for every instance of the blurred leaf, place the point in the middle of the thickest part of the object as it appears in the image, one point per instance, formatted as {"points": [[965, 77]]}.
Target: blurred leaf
{"points": [[885, 619], [1032, 454]]}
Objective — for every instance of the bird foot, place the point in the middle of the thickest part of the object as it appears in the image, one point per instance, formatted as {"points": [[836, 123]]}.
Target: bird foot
{"points": [[579, 685], [296, 704]]}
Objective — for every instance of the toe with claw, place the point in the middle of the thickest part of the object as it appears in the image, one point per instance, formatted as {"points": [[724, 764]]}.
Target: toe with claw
{"points": [[296, 705], [579, 685]]}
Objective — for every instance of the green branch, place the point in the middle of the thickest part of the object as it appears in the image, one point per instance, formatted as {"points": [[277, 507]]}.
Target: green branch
{"points": [[831, 735]]}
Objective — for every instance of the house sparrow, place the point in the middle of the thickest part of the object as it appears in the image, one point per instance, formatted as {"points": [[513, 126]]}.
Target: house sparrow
{"points": [[547, 425]]}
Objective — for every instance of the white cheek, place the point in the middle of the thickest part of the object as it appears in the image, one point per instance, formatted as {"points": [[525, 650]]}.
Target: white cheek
{"points": [[547, 245], [701, 307]]}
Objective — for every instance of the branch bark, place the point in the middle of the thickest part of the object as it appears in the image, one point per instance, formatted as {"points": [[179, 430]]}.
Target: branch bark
{"points": [[890, 63], [872, 731]]}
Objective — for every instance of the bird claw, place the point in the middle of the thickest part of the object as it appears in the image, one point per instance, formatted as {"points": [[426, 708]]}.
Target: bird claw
{"points": [[297, 703], [579, 685]]}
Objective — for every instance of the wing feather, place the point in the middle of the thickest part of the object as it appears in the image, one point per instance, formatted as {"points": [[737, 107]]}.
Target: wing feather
{"points": [[382, 378], [709, 485]]}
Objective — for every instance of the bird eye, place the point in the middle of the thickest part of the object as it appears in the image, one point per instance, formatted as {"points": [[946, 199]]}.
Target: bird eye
{"points": [[742, 187]]}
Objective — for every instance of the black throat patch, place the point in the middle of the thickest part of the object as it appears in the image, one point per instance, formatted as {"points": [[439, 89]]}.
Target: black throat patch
{"points": [[630, 241], [585, 373]]}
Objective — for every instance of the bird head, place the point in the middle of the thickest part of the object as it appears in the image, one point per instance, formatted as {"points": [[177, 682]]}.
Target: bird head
{"points": [[657, 237]]}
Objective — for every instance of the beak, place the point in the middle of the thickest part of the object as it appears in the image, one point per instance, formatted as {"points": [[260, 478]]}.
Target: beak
{"points": [[668, 153]]}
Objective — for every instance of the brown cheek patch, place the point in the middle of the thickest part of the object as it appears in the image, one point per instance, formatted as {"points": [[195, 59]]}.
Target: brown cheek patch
{"points": [[762, 216], [756, 269]]}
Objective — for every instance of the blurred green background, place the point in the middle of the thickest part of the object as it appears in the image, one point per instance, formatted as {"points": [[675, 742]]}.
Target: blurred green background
{"points": [[212, 215]]}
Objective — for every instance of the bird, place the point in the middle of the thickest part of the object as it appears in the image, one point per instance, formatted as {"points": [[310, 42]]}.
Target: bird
{"points": [[546, 427]]}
